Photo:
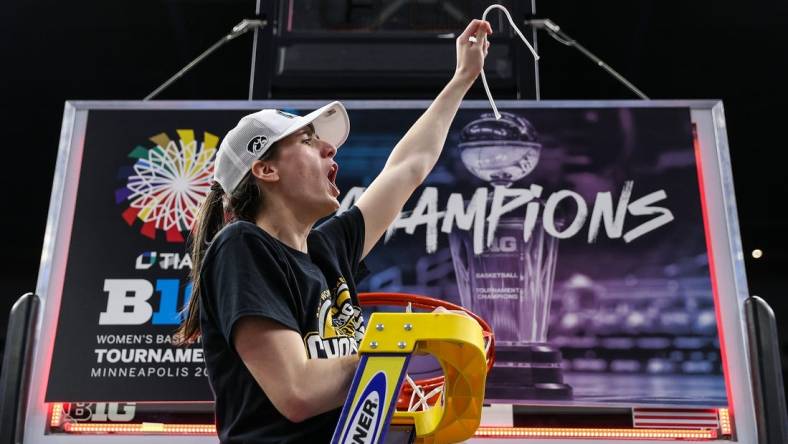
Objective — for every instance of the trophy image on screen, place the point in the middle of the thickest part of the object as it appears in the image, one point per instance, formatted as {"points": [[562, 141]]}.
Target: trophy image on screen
{"points": [[510, 283]]}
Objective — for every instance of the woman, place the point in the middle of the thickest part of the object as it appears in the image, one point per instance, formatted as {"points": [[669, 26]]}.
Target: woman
{"points": [[271, 295]]}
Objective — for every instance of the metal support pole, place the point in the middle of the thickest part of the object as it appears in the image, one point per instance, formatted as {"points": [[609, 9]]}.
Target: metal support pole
{"points": [[555, 32], [239, 29]]}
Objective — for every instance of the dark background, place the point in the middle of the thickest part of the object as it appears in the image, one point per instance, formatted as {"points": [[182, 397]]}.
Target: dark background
{"points": [[103, 50]]}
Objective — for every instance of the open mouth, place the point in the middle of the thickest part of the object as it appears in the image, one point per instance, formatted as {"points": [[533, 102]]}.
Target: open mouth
{"points": [[332, 178]]}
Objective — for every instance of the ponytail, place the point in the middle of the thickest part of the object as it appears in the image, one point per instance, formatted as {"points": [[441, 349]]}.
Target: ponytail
{"points": [[217, 210], [210, 219]]}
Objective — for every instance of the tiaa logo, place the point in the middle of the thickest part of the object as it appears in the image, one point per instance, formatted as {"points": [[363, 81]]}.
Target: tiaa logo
{"points": [[365, 420]]}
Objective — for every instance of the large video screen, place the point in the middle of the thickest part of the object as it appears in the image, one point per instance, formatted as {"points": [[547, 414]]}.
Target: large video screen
{"points": [[585, 234]]}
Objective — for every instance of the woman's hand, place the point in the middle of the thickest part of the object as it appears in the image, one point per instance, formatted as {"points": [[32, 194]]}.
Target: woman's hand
{"points": [[470, 55]]}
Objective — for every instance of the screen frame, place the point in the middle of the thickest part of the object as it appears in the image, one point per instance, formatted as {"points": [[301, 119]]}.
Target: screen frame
{"points": [[723, 238]]}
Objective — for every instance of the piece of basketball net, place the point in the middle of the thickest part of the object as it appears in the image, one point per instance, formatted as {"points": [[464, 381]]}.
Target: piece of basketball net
{"points": [[422, 394], [522, 37]]}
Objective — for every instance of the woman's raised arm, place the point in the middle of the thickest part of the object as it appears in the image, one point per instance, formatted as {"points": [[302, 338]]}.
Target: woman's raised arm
{"points": [[415, 155]]}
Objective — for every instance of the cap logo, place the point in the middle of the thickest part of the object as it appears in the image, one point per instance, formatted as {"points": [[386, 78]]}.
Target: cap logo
{"points": [[256, 144], [288, 115]]}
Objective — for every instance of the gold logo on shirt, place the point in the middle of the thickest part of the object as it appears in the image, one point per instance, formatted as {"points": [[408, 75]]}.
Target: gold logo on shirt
{"points": [[340, 324]]}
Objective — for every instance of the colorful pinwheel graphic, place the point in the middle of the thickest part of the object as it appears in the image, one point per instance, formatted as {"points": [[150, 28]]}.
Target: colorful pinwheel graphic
{"points": [[167, 183]]}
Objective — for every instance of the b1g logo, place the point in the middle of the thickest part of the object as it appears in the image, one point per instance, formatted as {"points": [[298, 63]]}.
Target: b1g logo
{"points": [[101, 411], [129, 301], [167, 183]]}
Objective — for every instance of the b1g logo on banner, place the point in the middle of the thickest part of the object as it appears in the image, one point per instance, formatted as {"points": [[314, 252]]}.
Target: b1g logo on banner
{"points": [[118, 325]]}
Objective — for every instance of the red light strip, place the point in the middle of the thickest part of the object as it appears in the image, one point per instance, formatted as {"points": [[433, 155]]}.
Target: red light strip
{"points": [[537, 432], [145, 427], [57, 415], [725, 422], [481, 432]]}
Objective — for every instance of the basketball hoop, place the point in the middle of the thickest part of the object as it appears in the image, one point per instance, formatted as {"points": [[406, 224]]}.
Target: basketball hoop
{"points": [[422, 394]]}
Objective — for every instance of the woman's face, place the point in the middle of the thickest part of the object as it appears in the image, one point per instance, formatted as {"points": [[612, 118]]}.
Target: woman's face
{"points": [[306, 174]]}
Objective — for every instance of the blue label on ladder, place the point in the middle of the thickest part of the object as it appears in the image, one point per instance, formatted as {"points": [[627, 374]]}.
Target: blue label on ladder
{"points": [[372, 398]]}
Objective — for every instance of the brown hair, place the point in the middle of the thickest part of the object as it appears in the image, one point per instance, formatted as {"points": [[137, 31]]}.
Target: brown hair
{"points": [[216, 211]]}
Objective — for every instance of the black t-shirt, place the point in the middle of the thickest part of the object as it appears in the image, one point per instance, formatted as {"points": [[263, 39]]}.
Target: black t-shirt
{"points": [[247, 272]]}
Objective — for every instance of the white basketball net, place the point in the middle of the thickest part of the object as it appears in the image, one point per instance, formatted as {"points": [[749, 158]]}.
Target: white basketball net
{"points": [[419, 399]]}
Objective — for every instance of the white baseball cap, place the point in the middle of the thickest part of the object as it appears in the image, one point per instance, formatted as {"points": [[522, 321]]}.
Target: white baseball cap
{"points": [[256, 133]]}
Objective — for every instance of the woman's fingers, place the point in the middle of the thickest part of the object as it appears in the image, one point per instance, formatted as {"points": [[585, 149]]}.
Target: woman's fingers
{"points": [[483, 30], [469, 30], [481, 34], [476, 28], [481, 37], [487, 27]]}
